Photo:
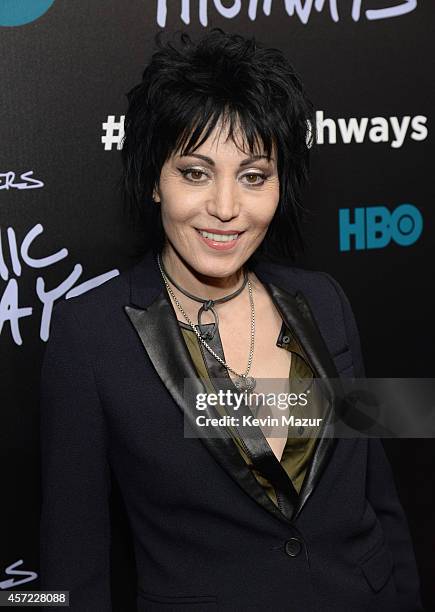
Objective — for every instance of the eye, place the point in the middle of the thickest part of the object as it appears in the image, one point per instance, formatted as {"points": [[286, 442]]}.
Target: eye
{"points": [[255, 175], [195, 172]]}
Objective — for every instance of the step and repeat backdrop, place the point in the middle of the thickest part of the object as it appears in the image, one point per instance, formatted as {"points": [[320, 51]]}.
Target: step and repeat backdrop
{"points": [[65, 69]]}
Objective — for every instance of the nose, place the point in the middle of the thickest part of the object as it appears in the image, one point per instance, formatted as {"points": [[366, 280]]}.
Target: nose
{"points": [[224, 202]]}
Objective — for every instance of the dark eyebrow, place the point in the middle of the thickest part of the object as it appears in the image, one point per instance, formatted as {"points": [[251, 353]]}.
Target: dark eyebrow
{"points": [[244, 162]]}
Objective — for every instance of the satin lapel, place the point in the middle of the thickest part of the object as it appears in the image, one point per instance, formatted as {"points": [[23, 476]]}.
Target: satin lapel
{"points": [[297, 315], [154, 320]]}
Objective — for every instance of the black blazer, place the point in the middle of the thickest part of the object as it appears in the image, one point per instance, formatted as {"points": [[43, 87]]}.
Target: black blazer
{"points": [[206, 535]]}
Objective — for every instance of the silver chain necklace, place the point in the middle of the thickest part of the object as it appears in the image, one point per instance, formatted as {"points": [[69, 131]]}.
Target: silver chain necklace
{"points": [[243, 382]]}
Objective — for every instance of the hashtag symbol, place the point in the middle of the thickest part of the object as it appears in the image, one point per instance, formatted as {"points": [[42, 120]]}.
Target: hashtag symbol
{"points": [[113, 132]]}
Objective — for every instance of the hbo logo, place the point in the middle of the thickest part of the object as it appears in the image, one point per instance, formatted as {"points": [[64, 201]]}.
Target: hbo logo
{"points": [[374, 227]]}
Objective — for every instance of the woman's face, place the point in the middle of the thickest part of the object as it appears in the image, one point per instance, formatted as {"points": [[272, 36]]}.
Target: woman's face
{"points": [[216, 188]]}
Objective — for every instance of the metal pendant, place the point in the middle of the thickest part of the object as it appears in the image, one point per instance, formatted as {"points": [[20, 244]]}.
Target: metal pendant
{"points": [[245, 383], [208, 335]]}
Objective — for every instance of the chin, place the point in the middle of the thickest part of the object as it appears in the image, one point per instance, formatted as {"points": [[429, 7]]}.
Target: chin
{"points": [[215, 267]]}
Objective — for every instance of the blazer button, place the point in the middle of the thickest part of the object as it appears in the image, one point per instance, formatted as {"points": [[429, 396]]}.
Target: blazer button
{"points": [[286, 339], [293, 547]]}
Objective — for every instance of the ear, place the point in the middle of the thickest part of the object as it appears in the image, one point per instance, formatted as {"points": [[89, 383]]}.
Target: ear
{"points": [[156, 195]]}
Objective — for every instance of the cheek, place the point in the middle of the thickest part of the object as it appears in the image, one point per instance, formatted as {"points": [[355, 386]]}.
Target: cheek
{"points": [[263, 212], [176, 209], [178, 220]]}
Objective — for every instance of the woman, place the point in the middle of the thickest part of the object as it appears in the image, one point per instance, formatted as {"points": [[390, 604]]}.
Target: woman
{"points": [[217, 138]]}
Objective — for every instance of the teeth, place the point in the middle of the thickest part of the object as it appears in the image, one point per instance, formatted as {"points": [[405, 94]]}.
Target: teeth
{"points": [[219, 237]]}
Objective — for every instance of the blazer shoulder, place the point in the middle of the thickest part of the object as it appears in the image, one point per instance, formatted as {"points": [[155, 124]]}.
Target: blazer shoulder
{"points": [[102, 298], [95, 315], [316, 285], [324, 294]]}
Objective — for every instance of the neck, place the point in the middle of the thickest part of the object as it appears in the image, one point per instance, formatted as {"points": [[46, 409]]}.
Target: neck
{"points": [[198, 284]]}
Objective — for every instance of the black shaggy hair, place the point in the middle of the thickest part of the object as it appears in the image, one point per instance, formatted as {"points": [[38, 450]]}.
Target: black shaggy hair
{"points": [[185, 89]]}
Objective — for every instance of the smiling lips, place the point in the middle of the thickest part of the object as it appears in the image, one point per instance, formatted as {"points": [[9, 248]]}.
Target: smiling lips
{"points": [[220, 240]]}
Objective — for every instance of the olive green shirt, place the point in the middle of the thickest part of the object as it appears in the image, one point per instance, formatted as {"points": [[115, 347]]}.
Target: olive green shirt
{"points": [[298, 449]]}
